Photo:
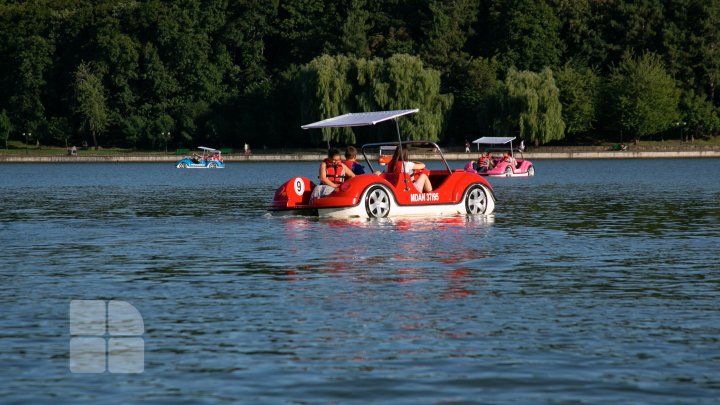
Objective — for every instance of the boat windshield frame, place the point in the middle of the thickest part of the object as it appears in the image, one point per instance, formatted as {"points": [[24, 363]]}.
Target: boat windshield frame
{"points": [[379, 145]]}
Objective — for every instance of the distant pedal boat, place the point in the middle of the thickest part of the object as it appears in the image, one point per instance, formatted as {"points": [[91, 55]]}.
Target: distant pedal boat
{"points": [[514, 166], [209, 159]]}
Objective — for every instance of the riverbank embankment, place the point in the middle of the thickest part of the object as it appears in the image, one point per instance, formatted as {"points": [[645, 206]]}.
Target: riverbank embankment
{"points": [[567, 152]]}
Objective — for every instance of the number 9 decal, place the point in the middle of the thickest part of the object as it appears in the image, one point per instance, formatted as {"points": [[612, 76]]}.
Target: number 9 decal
{"points": [[299, 186]]}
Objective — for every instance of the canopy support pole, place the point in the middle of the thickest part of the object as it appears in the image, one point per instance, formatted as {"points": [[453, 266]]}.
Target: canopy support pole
{"points": [[400, 155], [327, 137]]}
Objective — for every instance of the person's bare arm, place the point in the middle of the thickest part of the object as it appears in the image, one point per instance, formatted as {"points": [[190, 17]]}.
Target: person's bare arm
{"points": [[349, 173]]}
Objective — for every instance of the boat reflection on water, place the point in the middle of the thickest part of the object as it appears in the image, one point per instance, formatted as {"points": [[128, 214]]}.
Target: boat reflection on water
{"points": [[424, 254], [414, 224]]}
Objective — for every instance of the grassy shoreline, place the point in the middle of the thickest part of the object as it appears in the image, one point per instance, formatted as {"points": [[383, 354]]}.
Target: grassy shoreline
{"points": [[17, 153]]}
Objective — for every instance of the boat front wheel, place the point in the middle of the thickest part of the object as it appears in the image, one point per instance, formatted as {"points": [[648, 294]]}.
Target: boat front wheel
{"points": [[377, 202], [182, 165]]}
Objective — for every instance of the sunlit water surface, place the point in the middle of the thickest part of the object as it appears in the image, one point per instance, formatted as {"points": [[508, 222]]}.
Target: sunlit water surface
{"points": [[594, 282]]}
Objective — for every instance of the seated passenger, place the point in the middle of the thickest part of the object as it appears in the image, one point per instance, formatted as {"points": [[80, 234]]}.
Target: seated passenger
{"points": [[485, 162], [332, 174], [351, 161], [420, 180], [508, 158]]}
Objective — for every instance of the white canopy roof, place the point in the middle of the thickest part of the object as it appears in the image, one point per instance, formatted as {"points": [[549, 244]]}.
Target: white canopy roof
{"points": [[359, 119], [208, 149], [493, 140]]}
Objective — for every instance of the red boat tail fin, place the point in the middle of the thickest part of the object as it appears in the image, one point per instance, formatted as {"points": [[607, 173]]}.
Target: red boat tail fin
{"points": [[294, 193]]}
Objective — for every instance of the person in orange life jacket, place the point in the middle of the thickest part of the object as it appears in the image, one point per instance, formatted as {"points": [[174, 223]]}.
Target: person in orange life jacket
{"points": [[332, 174], [484, 163], [508, 158], [351, 161], [421, 182]]}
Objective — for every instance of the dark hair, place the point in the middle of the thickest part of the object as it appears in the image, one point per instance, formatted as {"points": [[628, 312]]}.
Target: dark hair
{"points": [[350, 153], [332, 152], [396, 158]]}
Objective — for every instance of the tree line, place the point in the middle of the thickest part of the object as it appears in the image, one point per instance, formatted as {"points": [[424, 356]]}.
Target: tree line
{"points": [[157, 74]]}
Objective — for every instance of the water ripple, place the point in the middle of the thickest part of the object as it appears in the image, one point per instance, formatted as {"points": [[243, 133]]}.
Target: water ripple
{"points": [[594, 282]]}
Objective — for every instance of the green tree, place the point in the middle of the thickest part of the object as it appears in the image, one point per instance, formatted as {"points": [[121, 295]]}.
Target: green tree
{"points": [[691, 42], [304, 29], [335, 85], [90, 101], [33, 61], [5, 127], [118, 54], [532, 104], [699, 116], [449, 27], [402, 82], [525, 34], [354, 37], [643, 98], [324, 84], [579, 95], [474, 86], [581, 31]]}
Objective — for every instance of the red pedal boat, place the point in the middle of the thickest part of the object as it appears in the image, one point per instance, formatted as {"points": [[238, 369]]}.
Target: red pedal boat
{"points": [[387, 193]]}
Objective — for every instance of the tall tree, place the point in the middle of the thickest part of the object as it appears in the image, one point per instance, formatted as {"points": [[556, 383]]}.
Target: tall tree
{"points": [[642, 96], [304, 29], [324, 83], [525, 34], [532, 103], [699, 116], [691, 41], [33, 61], [338, 85], [90, 101], [5, 127], [448, 28], [402, 82], [474, 86], [579, 95], [354, 37]]}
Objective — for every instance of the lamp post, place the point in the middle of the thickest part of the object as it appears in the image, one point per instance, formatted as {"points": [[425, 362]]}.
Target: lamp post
{"points": [[682, 125], [27, 135], [165, 137]]}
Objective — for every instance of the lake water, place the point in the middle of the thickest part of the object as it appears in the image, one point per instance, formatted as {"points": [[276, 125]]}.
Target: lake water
{"points": [[596, 281]]}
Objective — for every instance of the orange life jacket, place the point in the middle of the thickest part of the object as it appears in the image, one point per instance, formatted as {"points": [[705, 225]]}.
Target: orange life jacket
{"points": [[334, 171]]}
